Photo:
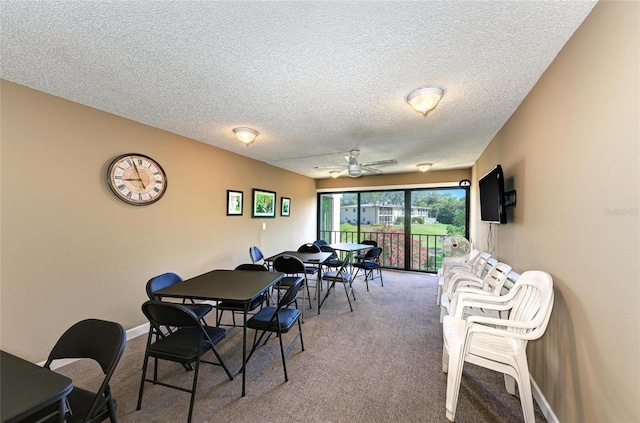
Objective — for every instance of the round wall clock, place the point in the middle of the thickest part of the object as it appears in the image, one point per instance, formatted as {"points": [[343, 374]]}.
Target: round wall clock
{"points": [[136, 179]]}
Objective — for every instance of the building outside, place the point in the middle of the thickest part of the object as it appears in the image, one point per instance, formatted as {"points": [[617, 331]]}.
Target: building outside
{"points": [[389, 214]]}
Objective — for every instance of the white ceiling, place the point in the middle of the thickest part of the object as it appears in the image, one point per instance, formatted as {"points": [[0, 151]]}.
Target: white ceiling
{"points": [[316, 79]]}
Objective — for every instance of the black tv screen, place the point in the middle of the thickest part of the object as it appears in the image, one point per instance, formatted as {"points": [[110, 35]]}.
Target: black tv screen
{"points": [[492, 208]]}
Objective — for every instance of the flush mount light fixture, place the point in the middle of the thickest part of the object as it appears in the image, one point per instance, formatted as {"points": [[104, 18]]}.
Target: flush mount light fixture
{"points": [[423, 167], [335, 173], [245, 135], [423, 100]]}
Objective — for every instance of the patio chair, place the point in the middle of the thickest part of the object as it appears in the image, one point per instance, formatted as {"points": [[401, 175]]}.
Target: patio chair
{"points": [[498, 344]]}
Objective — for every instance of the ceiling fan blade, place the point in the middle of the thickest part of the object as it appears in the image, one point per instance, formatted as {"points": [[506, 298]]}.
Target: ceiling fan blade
{"points": [[380, 162], [370, 169], [329, 167]]}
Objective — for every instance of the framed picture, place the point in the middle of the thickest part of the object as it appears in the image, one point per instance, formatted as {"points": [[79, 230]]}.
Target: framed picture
{"points": [[285, 208], [264, 203], [234, 203]]}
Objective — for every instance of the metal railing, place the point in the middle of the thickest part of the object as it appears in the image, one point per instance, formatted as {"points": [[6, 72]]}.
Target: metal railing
{"points": [[426, 250]]}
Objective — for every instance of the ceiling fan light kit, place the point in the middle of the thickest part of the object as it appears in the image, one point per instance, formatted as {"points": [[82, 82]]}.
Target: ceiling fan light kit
{"points": [[245, 135], [423, 167], [423, 100]]}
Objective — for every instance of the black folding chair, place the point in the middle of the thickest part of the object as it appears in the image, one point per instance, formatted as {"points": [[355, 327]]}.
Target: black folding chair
{"points": [[277, 320], [236, 306], [186, 344], [369, 265], [98, 340], [167, 279]]}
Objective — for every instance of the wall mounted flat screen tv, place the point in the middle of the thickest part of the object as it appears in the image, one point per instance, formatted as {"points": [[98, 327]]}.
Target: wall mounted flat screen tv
{"points": [[492, 202]]}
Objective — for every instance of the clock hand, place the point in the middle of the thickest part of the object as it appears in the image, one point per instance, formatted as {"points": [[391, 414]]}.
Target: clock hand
{"points": [[138, 173]]}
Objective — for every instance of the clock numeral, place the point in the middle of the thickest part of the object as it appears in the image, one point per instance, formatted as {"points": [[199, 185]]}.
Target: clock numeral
{"points": [[130, 162], [117, 177], [140, 197], [140, 162], [156, 189], [129, 194], [121, 187]]}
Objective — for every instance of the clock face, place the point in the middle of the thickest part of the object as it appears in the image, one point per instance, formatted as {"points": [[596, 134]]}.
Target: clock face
{"points": [[136, 179]]}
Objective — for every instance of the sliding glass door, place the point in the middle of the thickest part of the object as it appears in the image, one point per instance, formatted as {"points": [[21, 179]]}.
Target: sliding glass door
{"points": [[407, 224]]}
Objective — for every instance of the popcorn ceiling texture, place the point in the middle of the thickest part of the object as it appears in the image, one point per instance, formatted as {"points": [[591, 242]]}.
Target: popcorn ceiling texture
{"points": [[316, 79]]}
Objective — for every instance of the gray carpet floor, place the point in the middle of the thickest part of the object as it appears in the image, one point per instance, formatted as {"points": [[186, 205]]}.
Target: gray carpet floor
{"points": [[379, 363]]}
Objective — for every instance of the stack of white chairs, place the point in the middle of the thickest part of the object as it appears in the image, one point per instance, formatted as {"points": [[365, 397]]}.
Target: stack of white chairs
{"points": [[497, 343], [512, 278], [490, 284], [473, 266], [449, 262]]}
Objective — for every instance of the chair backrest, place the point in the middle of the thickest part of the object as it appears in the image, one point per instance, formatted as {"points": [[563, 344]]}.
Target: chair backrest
{"points": [[162, 314], [252, 266], [328, 249], [532, 303], [290, 296], [480, 264], [161, 281], [320, 242], [369, 242], [255, 254], [449, 262], [95, 339], [512, 278], [289, 264], [309, 248], [373, 254], [496, 277]]}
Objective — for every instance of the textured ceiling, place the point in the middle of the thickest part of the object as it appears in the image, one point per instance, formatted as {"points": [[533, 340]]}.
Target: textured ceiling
{"points": [[316, 79]]}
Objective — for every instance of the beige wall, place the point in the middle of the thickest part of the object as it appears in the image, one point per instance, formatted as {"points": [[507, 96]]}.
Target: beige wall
{"points": [[571, 152], [72, 250]]}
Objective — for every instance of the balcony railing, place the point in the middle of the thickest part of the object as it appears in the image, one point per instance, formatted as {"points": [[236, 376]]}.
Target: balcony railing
{"points": [[426, 250]]}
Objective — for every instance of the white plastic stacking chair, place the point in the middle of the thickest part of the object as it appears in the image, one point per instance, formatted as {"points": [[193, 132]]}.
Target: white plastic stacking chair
{"points": [[466, 278], [491, 284], [459, 262], [498, 344], [509, 283], [475, 270]]}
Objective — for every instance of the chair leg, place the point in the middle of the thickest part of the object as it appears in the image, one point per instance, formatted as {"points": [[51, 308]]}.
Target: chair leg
{"points": [[347, 292], [111, 406], [144, 375], [524, 386], [193, 390], [368, 275], [454, 377], [222, 363], [284, 361], [510, 384]]}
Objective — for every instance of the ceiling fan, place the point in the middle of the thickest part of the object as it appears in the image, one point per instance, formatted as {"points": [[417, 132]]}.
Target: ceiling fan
{"points": [[354, 168]]}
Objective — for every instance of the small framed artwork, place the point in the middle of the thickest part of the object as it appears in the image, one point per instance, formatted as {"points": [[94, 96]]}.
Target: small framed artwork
{"points": [[264, 203], [285, 208], [234, 203]]}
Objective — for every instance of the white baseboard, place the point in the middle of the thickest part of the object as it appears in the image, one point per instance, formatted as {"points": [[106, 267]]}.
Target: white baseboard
{"points": [[131, 333], [542, 403]]}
